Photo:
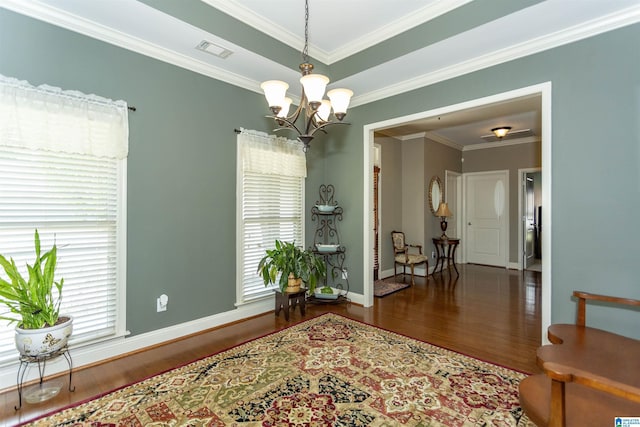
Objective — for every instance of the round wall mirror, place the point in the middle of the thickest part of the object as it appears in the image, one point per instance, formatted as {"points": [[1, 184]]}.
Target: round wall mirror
{"points": [[435, 194]]}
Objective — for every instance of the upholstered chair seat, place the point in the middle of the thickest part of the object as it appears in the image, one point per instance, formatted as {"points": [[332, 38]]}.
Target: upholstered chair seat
{"points": [[403, 257]]}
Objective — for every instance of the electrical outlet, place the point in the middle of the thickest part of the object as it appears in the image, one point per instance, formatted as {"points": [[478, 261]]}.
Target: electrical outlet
{"points": [[433, 254], [162, 303], [344, 274]]}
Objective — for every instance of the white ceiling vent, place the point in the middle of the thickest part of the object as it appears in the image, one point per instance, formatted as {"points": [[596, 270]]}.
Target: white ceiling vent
{"points": [[214, 49], [514, 134]]}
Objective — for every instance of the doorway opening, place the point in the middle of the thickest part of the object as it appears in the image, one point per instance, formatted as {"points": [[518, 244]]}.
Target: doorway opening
{"points": [[530, 213], [544, 92]]}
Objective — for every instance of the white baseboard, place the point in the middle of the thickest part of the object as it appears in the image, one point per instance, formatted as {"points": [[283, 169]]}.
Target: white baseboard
{"points": [[419, 271], [89, 354], [94, 353], [514, 266]]}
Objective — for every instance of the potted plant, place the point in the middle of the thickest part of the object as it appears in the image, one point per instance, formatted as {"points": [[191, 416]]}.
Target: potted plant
{"points": [[294, 264], [33, 304]]}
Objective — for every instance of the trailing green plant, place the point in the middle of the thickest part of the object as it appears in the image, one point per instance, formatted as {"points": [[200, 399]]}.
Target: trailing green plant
{"points": [[31, 301], [288, 258]]}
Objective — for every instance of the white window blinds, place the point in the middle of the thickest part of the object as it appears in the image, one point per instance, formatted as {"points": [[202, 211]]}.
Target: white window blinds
{"points": [[271, 204], [76, 196]]}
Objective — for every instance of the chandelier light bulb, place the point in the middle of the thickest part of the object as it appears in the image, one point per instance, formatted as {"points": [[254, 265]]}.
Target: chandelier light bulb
{"points": [[285, 107], [324, 110], [314, 87], [275, 91], [340, 99]]}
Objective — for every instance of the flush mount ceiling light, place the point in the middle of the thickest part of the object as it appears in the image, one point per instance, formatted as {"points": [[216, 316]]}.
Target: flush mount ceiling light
{"points": [[316, 109], [501, 131]]}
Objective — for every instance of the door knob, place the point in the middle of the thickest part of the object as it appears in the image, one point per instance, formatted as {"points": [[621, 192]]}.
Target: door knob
{"points": [[469, 224]]}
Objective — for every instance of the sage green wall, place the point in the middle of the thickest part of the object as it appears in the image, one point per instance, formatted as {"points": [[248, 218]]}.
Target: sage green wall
{"points": [[181, 166], [595, 162], [181, 184], [511, 158]]}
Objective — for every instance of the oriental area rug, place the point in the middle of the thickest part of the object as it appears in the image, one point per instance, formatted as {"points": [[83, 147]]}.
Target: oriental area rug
{"points": [[326, 371]]}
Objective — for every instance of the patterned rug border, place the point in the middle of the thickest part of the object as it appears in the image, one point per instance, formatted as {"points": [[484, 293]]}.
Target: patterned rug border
{"points": [[290, 326]]}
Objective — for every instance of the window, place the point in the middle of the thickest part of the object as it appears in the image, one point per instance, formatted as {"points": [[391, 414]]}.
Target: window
{"points": [[271, 173], [63, 171]]}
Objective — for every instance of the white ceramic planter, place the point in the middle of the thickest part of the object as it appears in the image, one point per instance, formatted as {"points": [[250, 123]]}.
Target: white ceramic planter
{"points": [[35, 342]]}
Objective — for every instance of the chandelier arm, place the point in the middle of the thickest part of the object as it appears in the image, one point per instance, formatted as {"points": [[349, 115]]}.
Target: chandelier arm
{"points": [[290, 125], [311, 123], [322, 126], [294, 116]]}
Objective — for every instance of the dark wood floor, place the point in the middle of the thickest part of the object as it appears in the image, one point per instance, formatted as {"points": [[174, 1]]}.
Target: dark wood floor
{"points": [[490, 313]]}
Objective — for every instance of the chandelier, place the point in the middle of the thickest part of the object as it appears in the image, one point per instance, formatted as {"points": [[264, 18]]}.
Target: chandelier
{"points": [[316, 109]]}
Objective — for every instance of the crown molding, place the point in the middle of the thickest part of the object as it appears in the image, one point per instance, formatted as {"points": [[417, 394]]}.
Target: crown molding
{"points": [[91, 29], [295, 41], [88, 28], [411, 136], [394, 28], [579, 32], [267, 27], [498, 144], [444, 141]]}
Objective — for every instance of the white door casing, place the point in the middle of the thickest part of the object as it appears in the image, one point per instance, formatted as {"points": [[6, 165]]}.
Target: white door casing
{"points": [[453, 197], [522, 209], [529, 222], [544, 90], [487, 217]]}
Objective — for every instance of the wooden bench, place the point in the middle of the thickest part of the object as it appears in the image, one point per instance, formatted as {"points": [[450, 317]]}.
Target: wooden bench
{"points": [[590, 375]]}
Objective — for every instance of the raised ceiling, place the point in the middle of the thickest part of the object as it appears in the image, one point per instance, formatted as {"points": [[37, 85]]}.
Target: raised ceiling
{"points": [[378, 48]]}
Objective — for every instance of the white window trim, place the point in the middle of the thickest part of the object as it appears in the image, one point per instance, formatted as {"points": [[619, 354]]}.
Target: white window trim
{"points": [[239, 230], [14, 89]]}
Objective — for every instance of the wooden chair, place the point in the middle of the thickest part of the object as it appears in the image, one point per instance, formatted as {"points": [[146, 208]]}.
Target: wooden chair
{"points": [[403, 257], [590, 375]]}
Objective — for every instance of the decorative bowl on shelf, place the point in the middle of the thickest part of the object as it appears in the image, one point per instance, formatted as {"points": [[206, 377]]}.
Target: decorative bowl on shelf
{"points": [[326, 296], [325, 208], [327, 248]]}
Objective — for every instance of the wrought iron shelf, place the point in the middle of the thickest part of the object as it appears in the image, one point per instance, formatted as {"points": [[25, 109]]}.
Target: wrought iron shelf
{"points": [[327, 214]]}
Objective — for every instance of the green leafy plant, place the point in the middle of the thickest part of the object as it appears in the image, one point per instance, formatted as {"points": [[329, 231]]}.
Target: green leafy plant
{"points": [[31, 300], [287, 258]]}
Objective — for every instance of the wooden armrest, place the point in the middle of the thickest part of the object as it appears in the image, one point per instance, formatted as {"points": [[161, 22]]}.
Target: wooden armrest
{"points": [[584, 296], [417, 246], [565, 374]]}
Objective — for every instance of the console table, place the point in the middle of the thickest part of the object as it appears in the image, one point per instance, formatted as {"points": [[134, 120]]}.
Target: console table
{"points": [[446, 251]]}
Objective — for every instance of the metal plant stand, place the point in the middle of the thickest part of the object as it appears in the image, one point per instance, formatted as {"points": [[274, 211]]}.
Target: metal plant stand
{"points": [[41, 361], [326, 244]]}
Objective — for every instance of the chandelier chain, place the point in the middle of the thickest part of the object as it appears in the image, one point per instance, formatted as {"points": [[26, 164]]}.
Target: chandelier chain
{"points": [[305, 51]]}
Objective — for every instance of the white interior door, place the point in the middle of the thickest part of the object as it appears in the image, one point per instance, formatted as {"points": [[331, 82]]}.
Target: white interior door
{"points": [[487, 217]]}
